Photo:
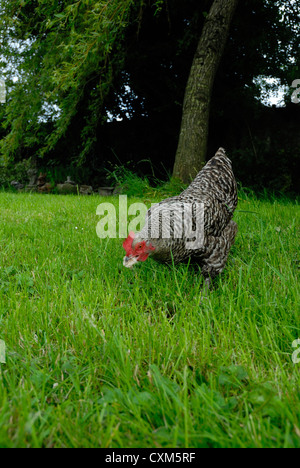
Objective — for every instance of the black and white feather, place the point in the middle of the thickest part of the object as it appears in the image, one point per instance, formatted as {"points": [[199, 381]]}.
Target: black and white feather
{"points": [[210, 198]]}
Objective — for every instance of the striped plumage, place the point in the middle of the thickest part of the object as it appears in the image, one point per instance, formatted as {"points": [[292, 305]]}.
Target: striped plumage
{"points": [[215, 188]]}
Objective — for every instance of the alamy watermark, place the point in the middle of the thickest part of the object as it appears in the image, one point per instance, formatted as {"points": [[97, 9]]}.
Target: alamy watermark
{"points": [[296, 354], [2, 352], [2, 91], [296, 93], [176, 220]]}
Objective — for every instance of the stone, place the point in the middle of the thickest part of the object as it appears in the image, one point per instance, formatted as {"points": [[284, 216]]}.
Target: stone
{"points": [[17, 185], [69, 181], [86, 190], [42, 185], [66, 188], [118, 190], [32, 174], [106, 191], [31, 188], [41, 180], [46, 188]]}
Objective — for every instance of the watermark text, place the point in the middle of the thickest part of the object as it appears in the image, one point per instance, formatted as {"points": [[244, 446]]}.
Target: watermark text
{"points": [[176, 220], [2, 352], [2, 91], [296, 354], [296, 93]]}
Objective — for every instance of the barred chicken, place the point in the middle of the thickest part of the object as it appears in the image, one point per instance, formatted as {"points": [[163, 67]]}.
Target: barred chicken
{"points": [[195, 225]]}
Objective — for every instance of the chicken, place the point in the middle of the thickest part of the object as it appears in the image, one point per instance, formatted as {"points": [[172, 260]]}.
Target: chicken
{"points": [[196, 225]]}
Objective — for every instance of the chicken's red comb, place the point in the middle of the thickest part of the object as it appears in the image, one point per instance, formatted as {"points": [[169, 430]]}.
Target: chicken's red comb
{"points": [[127, 244]]}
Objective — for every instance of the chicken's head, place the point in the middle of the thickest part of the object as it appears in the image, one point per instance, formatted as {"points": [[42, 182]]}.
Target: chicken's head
{"points": [[136, 250]]}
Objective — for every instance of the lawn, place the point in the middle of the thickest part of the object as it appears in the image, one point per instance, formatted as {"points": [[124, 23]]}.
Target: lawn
{"points": [[101, 356]]}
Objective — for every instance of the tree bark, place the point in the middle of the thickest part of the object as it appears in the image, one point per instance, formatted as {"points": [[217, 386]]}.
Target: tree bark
{"points": [[192, 146]]}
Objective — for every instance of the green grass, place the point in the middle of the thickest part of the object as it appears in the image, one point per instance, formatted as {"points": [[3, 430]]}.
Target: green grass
{"points": [[101, 356]]}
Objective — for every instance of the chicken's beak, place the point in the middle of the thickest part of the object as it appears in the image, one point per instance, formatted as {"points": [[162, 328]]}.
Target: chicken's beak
{"points": [[128, 262]]}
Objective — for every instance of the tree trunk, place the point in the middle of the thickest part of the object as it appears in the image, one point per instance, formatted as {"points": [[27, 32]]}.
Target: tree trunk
{"points": [[191, 151]]}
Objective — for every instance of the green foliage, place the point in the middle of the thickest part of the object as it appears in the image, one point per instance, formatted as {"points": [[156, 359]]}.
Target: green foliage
{"points": [[67, 56], [128, 182], [135, 186], [77, 60], [17, 172]]}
